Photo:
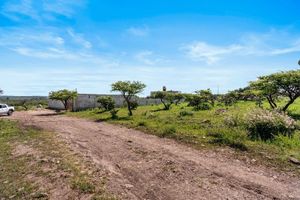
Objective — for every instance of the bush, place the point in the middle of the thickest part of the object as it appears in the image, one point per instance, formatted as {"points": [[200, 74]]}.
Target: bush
{"points": [[198, 102], [232, 120], [106, 103], [265, 125], [202, 106], [185, 113], [134, 105], [114, 113]]}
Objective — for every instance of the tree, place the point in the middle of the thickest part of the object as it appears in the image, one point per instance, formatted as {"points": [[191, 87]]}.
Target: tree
{"points": [[65, 96], [207, 96], [106, 103], [1, 91], [128, 90], [178, 97], [229, 98], [197, 101], [282, 84], [166, 98]]}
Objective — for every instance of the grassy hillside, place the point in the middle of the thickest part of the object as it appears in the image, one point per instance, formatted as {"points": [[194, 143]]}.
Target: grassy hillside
{"points": [[206, 129]]}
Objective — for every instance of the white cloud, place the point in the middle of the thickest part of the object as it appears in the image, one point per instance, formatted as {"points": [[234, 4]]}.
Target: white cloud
{"points": [[209, 53], [46, 53], [269, 44], [143, 56], [149, 58], [65, 7], [15, 10], [79, 39], [138, 31], [40, 10]]}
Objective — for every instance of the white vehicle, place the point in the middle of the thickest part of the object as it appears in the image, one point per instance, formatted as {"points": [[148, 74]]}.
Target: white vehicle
{"points": [[6, 110]]}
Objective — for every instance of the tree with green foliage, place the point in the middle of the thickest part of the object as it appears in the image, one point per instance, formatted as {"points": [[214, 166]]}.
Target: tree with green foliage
{"points": [[206, 96], [178, 97], [65, 96], [166, 98], [1, 91], [106, 102], [197, 101], [282, 84], [128, 90]]}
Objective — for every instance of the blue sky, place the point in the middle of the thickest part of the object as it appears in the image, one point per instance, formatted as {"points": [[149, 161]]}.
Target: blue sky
{"points": [[187, 45]]}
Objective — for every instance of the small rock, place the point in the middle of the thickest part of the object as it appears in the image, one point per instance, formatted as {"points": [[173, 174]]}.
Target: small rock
{"points": [[128, 186], [294, 161], [11, 197], [5, 182], [43, 160]]}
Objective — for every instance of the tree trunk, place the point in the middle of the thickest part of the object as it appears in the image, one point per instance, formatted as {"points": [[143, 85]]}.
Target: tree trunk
{"points": [[129, 108], [65, 102], [164, 104], [271, 102], [288, 104], [128, 105]]}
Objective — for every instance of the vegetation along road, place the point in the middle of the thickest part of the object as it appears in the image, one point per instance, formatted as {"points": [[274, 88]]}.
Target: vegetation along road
{"points": [[143, 166]]}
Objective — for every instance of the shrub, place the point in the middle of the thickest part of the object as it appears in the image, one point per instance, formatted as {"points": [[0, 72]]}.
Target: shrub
{"points": [[198, 102], [265, 125], [232, 120], [114, 113], [202, 106], [185, 113], [106, 103], [134, 105]]}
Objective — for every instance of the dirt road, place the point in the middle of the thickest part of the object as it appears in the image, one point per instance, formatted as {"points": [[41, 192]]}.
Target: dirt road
{"points": [[141, 166]]}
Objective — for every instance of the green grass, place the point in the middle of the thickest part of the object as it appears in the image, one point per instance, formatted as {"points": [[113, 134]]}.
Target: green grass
{"points": [[206, 129], [50, 154]]}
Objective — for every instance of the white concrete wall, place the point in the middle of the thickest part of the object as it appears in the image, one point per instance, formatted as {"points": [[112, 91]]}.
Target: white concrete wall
{"points": [[88, 101]]}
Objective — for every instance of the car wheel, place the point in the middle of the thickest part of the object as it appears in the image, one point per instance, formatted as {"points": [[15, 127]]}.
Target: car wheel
{"points": [[9, 113]]}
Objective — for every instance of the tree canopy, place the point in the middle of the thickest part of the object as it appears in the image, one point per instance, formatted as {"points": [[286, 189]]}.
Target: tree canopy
{"points": [[168, 98], [128, 90], [282, 84], [65, 96]]}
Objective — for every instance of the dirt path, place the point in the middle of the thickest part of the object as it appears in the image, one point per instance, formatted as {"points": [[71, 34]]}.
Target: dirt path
{"points": [[142, 166]]}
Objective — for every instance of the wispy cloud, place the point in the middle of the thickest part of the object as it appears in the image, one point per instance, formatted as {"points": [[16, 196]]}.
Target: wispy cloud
{"points": [[138, 31], [149, 58], [66, 7], [78, 38], [209, 53], [39, 11], [49, 44], [269, 44]]}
